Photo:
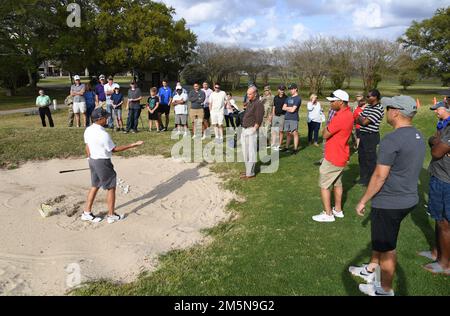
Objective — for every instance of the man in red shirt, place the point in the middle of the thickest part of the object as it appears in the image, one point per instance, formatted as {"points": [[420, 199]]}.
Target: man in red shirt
{"points": [[337, 154]]}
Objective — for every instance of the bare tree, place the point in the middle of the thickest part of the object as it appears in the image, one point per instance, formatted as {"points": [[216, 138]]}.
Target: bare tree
{"points": [[372, 59]]}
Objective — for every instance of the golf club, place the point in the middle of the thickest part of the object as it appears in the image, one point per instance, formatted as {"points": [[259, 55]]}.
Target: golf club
{"points": [[74, 170]]}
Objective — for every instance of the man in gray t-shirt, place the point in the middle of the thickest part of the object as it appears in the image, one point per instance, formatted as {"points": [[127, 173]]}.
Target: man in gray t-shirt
{"points": [[393, 191]]}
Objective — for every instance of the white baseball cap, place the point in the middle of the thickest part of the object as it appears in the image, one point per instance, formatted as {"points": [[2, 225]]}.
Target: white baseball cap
{"points": [[179, 87], [339, 95], [76, 77]]}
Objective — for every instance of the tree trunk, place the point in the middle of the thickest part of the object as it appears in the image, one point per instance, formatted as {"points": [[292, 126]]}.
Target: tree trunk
{"points": [[31, 80]]}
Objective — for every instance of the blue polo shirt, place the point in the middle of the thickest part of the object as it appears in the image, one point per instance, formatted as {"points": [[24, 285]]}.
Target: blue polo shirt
{"points": [[165, 94]]}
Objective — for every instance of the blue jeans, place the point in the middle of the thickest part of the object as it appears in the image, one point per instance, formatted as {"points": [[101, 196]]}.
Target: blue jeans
{"points": [[89, 109], [133, 119], [110, 121], [313, 128]]}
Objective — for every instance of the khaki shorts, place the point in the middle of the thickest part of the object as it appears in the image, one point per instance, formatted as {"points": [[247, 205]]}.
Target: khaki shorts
{"points": [[330, 175], [196, 114]]}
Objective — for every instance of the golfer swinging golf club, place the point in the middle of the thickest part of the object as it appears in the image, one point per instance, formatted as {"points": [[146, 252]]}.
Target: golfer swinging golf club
{"points": [[99, 149]]}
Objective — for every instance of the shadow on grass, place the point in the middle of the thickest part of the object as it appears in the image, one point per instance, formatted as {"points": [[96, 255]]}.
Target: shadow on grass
{"points": [[419, 216], [348, 180], [164, 189]]}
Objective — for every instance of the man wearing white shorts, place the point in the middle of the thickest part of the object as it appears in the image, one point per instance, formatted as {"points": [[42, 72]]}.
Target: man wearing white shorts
{"points": [[216, 106], [79, 102]]}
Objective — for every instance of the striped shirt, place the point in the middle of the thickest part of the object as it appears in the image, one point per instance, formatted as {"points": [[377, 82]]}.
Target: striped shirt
{"points": [[375, 115]]}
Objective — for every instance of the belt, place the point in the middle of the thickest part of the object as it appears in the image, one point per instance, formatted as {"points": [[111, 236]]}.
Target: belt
{"points": [[364, 132]]}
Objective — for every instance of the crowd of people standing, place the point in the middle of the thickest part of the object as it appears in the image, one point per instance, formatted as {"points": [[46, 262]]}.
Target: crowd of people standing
{"points": [[389, 168]]}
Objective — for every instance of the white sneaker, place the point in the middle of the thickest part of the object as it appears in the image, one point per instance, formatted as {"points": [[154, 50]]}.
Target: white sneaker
{"points": [[338, 214], [185, 134], [177, 133], [372, 290], [90, 218], [363, 273], [276, 148], [115, 218], [324, 218], [204, 137]]}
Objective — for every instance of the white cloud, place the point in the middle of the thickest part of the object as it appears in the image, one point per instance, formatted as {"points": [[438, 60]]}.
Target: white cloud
{"points": [[369, 17]]}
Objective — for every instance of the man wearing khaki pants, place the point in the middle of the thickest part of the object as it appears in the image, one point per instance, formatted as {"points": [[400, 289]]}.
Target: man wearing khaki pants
{"points": [[196, 114], [253, 119]]}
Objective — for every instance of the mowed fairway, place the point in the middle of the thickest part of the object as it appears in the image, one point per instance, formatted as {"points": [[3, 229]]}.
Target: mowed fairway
{"points": [[273, 247]]}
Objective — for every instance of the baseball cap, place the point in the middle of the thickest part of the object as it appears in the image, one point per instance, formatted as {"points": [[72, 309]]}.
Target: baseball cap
{"points": [[110, 78], [178, 87], [339, 95], [293, 86], [359, 94], [282, 87], [438, 105], [76, 77], [99, 113], [404, 103], [117, 87], [102, 77], [267, 88]]}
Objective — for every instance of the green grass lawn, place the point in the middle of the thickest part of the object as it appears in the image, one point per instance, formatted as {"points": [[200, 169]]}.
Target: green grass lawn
{"points": [[273, 247]]}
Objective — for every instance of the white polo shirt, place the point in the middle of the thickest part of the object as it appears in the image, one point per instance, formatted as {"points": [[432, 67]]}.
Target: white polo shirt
{"points": [[99, 142], [109, 88]]}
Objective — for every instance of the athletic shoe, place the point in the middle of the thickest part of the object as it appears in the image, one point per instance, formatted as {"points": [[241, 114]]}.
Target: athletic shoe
{"points": [[284, 150], [126, 132], [90, 218], [295, 151], [324, 218], [363, 273], [275, 148], [185, 134], [204, 137], [338, 214], [177, 133], [373, 290], [115, 218]]}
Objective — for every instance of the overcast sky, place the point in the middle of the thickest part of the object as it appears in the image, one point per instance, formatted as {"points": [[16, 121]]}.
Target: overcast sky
{"points": [[274, 23]]}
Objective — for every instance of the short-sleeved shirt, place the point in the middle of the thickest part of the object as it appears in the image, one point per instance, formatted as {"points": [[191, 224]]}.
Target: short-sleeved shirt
{"points": [[43, 100], [152, 102], [134, 94], [291, 102], [356, 114], [117, 98], [337, 150], [207, 95], [440, 168], [100, 91], [79, 88], [109, 88], [181, 108], [90, 98], [278, 103], [165, 94], [99, 142], [217, 100], [375, 115], [404, 151]]}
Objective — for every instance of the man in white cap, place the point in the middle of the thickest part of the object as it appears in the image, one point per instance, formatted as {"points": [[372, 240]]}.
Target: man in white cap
{"points": [[337, 155], [79, 102], [100, 96], [392, 189]]}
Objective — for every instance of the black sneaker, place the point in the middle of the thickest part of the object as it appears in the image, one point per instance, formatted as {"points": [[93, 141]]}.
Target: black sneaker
{"points": [[126, 132], [284, 150], [295, 151]]}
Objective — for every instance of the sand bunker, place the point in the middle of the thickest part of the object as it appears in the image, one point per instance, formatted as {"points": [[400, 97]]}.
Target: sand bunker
{"points": [[167, 204]]}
